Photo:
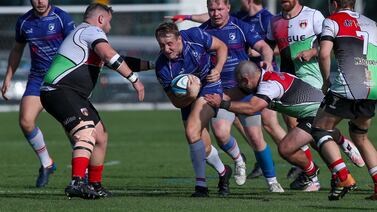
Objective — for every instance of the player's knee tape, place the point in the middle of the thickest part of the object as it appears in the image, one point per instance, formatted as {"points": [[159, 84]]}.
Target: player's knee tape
{"points": [[321, 136], [83, 137], [355, 129]]}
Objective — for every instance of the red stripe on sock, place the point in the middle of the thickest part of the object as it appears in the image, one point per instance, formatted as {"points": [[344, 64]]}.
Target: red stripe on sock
{"points": [[374, 177], [308, 154], [95, 174], [342, 173], [79, 166]]}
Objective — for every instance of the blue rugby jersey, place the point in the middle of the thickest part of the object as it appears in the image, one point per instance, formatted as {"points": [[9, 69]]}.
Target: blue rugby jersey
{"points": [[260, 22], [44, 36], [195, 59], [238, 36]]}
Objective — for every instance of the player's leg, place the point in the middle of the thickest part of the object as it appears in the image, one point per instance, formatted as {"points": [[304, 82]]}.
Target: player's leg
{"points": [[197, 120], [322, 133], [70, 110], [262, 151], [271, 125], [290, 150], [96, 164], [358, 129], [30, 108], [221, 126]]}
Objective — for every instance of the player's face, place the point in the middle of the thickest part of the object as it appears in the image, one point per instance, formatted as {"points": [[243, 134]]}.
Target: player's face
{"points": [[219, 13], [106, 19], [40, 6], [170, 45], [288, 5], [247, 85]]}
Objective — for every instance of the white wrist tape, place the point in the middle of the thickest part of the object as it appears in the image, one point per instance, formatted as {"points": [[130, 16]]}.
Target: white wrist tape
{"points": [[133, 77]]}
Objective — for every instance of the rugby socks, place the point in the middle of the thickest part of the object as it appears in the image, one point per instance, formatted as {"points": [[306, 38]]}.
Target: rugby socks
{"points": [[311, 171], [95, 174], [373, 173], [214, 161], [307, 152], [79, 165], [264, 159], [35, 139], [232, 149], [198, 157], [340, 168]]}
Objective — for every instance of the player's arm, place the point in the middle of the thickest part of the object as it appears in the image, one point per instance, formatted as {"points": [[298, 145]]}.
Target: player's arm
{"points": [[248, 108], [266, 52], [180, 102], [307, 55], [221, 57], [114, 60], [200, 18], [13, 62], [325, 63], [137, 64]]}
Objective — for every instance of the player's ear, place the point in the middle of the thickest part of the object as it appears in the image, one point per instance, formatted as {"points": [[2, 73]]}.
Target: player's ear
{"points": [[100, 19]]}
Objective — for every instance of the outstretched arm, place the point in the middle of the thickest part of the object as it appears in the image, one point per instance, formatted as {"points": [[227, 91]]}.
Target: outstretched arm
{"points": [[200, 18]]}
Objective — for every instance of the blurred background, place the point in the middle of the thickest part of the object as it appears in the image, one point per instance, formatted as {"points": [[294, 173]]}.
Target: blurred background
{"points": [[132, 33]]}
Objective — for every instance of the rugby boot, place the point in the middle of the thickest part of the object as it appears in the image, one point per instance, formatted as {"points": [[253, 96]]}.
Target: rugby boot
{"points": [[339, 189], [44, 174], [223, 184], [77, 188], [102, 191], [200, 191]]}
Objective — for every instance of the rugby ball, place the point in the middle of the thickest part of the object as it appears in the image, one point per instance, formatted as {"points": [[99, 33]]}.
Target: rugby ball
{"points": [[179, 85]]}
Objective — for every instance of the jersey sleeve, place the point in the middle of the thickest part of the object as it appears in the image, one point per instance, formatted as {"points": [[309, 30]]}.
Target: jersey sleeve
{"points": [[318, 20], [251, 34], [68, 23], [197, 35], [265, 21], [93, 35], [270, 89], [162, 74], [329, 29], [20, 38]]}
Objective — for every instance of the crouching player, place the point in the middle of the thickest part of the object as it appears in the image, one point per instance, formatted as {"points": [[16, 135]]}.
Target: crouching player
{"points": [[67, 87], [187, 52], [288, 95]]}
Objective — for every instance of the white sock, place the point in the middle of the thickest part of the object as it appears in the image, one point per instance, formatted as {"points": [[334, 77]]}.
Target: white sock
{"points": [[35, 139], [271, 180], [198, 157], [214, 160]]}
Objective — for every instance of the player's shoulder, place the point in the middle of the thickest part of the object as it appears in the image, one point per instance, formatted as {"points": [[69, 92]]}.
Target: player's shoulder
{"points": [[58, 11], [265, 13], [26, 15], [161, 63], [310, 11]]}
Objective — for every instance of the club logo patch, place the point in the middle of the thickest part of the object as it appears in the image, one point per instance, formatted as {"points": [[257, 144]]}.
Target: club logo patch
{"points": [[303, 24]]}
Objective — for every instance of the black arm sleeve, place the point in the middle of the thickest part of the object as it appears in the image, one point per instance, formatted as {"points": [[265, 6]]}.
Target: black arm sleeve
{"points": [[133, 62]]}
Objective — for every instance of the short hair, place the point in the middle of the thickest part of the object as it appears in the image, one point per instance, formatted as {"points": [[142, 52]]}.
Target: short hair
{"points": [[166, 28], [218, 1], [258, 2], [96, 6], [345, 3]]}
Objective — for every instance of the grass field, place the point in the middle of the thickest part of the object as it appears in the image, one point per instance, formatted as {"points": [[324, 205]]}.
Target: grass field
{"points": [[148, 169]]}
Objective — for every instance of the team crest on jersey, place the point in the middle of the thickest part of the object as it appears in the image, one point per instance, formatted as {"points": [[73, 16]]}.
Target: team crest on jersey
{"points": [[232, 36], [51, 27], [348, 23], [195, 54], [84, 111], [303, 23]]}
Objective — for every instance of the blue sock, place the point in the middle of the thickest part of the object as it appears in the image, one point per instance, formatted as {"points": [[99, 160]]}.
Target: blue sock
{"points": [[198, 159], [264, 159]]}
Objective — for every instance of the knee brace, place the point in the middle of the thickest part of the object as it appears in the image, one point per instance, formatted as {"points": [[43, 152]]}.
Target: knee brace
{"points": [[321, 136], [83, 136], [355, 129]]}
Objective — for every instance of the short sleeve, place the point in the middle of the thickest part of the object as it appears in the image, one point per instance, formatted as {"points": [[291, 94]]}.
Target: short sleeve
{"points": [[162, 74], [197, 35], [269, 35], [93, 35], [251, 34], [318, 20], [329, 29], [68, 23], [20, 38], [271, 89]]}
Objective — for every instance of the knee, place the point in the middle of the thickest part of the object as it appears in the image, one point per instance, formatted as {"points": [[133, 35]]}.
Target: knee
{"points": [[26, 125], [222, 135], [283, 150], [321, 136], [84, 141], [192, 134]]}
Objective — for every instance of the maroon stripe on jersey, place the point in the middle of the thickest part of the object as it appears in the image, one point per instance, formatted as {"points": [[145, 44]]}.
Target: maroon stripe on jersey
{"points": [[284, 79], [280, 27], [348, 25]]}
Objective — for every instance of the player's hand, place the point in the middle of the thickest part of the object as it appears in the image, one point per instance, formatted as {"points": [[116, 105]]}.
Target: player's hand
{"points": [[266, 65], [306, 55], [139, 87], [213, 99], [214, 75], [4, 89], [193, 86], [178, 18]]}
